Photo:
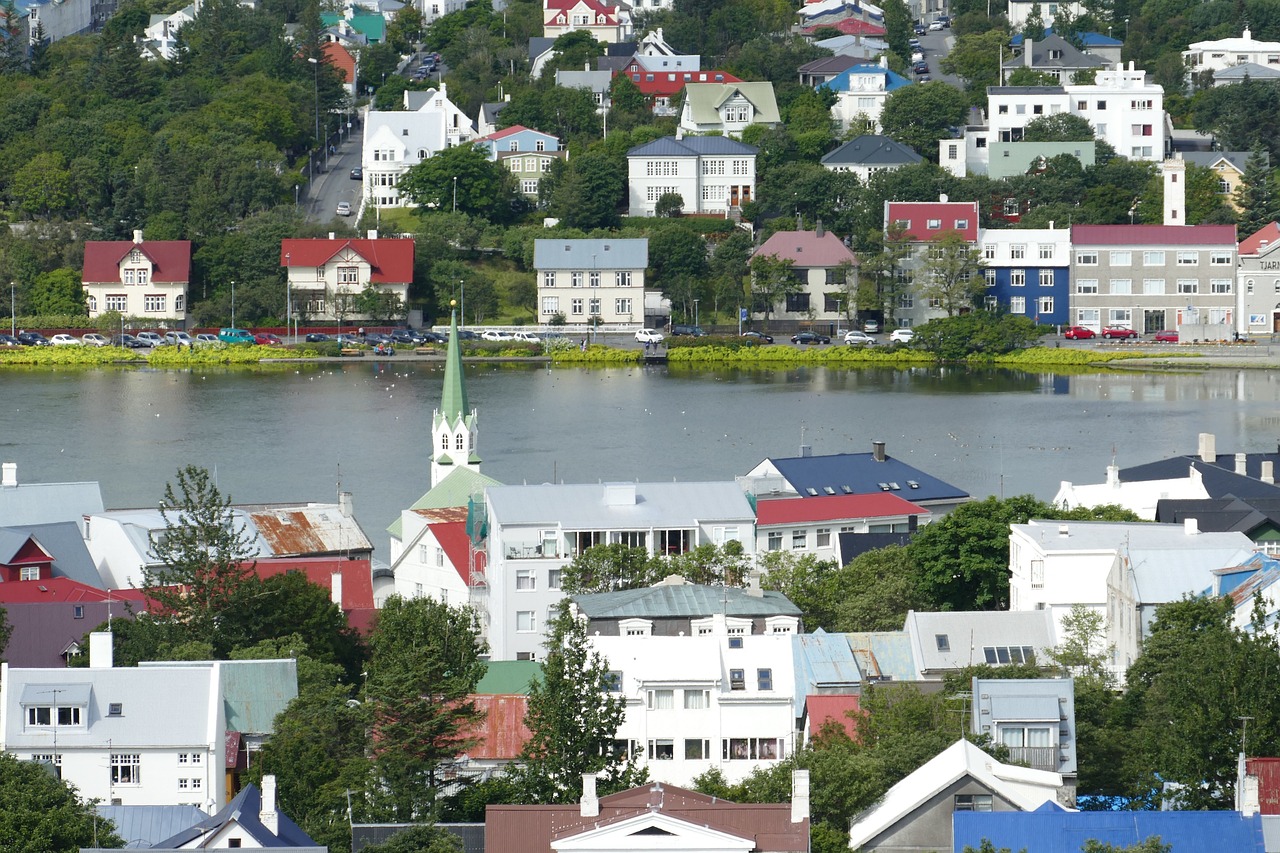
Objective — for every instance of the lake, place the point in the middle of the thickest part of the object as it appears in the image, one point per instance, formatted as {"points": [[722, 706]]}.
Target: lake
{"points": [[299, 433]]}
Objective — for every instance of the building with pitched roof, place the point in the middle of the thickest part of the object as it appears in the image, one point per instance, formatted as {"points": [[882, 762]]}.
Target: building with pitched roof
{"points": [[1227, 166], [146, 826], [24, 504], [138, 278], [397, 140], [1252, 579], [503, 697], [526, 153], [251, 819], [712, 174], [809, 476], [367, 27], [728, 107], [1257, 518], [825, 269], [943, 642], [1258, 280], [609, 24], [597, 278], [883, 656], [822, 69], [813, 526], [660, 77], [1019, 10], [1034, 719], [867, 154], [598, 82], [1102, 46], [1221, 54], [1052, 55], [861, 91], [326, 275], [1245, 70]]}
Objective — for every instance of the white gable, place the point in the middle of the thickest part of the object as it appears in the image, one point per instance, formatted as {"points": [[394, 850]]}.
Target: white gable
{"points": [[653, 831]]}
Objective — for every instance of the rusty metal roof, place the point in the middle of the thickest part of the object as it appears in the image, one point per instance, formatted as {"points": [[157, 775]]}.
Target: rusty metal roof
{"points": [[314, 529], [502, 733]]}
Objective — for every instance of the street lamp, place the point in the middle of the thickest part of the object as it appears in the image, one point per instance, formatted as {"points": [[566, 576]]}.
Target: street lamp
{"points": [[288, 294], [462, 287], [315, 77], [233, 303], [13, 309], [455, 209], [695, 311]]}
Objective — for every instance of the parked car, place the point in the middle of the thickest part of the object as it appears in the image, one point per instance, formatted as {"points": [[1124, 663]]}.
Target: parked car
{"points": [[527, 337], [936, 26], [127, 342], [871, 327], [9, 341], [758, 337], [649, 336], [689, 331], [357, 174], [1167, 336], [205, 338], [93, 339], [920, 29], [235, 336], [343, 208], [434, 338], [1118, 332], [33, 339], [494, 335], [66, 341], [267, 339], [853, 337], [151, 339], [1079, 333], [902, 336], [180, 339], [810, 338], [349, 340], [467, 335], [375, 338], [318, 337]]}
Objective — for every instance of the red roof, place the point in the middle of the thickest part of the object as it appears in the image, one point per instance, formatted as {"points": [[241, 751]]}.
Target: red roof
{"points": [[610, 13], [391, 260], [666, 83], [1265, 237], [357, 578], [920, 216], [833, 708], [170, 260], [1268, 772], [452, 536], [848, 26], [62, 589], [502, 732], [340, 58], [1153, 235], [807, 249], [833, 508]]}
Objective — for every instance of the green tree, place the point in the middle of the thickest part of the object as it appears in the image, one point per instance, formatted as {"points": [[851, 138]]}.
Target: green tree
{"points": [[424, 662], [897, 25], [986, 846], [573, 719], [1033, 26], [976, 59], [41, 187], [882, 278], [606, 568], [1150, 845], [772, 281], [204, 554], [669, 205], [12, 54], [1059, 127], [42, 814], [6, 631], [1256, 197], [922, 114], [628, 107], [952, 273], [57, 292], [482, 187], [572, 51], [588, 191], [729, 266], [405, 28], [425, 838]]}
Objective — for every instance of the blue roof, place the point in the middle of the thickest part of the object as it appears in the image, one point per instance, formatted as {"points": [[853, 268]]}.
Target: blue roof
{"points": [[1087, 39], [692, 146], [883, 655], [861, 474], [244, 809], [823, 660], [1051, 830], [840, 82]]}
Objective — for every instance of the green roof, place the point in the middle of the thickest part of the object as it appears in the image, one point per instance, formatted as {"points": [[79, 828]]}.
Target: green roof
{"points": [[454, 490], [255, 691], [684, 601], [373, 27], [453, 399], [509, 677]]}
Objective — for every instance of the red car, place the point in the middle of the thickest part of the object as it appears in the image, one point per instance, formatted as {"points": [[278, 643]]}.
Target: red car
{"points": [[267, 339], [1079, 333], [1118, 332], [1168, 336]]}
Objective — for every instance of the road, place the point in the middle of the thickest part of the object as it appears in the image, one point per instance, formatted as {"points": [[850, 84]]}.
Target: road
{"points": [[937, 45], [335, 183]]}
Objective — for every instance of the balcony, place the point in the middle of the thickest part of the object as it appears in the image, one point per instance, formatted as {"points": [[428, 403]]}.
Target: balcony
{"points": [[1035, 757]]}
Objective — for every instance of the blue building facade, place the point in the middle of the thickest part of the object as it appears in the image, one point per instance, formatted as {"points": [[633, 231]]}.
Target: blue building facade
{"points": [[1028, 272]]}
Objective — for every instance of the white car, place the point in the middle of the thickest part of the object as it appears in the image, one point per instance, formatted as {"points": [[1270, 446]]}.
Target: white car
{"points": [[494, 335], [649, 336], [902, 336], [66, 341], [527, 337], [854, 337], [344, 208], [935, 26], [151, 339], [93, 339]]}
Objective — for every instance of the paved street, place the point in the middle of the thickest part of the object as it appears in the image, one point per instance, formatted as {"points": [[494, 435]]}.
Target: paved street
{"points": [[335, 184]]}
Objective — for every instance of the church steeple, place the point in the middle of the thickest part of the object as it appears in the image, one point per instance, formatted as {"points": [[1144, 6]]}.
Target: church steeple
{"points": [[453, 427]]}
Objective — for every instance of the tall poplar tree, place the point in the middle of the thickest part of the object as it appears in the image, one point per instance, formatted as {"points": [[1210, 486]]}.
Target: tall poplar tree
{"points": [[1256, 195]]}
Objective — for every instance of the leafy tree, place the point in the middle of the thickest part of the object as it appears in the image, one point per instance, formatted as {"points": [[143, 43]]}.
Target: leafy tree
{"points": [[986, 846], [424, 662], [1256, 196], [1058, 127], [12, 55], [482, 187], [1033, 26], [42, 814], [57, 292], [425, 838], [587, 191], [573, 720], [1150, 845], [922, 114], [405, 28], [729, 266], [772, 281], [204, 553], [976, 59], [675, 255], [897, 25], [952, 273], [628, 107], [881, 274], [42, 187], [1242, 117], [572, 51], [668, 205], [6, 631]]}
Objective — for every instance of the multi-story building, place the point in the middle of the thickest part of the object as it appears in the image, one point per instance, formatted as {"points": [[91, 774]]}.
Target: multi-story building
{"points": [[325, 275], [1258, 280], [526, 153], [866, 155], [1221, 54], [728, 108], [1028, 272], [1034, 718], [609, 24], [814, 526], [1054, 56], [660, 77], [142, 278], [825, 269], [924, 223], [1019, 10], [707, 674], [397, 140], [712, 174], [591, 280], [861, 91]]}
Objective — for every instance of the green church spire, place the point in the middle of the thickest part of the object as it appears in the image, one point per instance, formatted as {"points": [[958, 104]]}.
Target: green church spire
{"points": [[453, 400]]}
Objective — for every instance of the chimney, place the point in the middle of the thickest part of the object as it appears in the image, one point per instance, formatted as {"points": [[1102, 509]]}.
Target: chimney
{"points": [[806, 450], [1064, 530], [137, 236], [335, 588], [1027, 44], [345, 504], [877, 451], [506, 98], [1190, 527], [1208, 448], [268, 815], [590, 802], [1050, 224], [1268, 474], [100, 650], [753, 584], [9, 474], [1113, 476], [818, 228], [799, 795], [884, 61], [332, 235], [1247, 800], [1242, 466], [943, 198], [373, 234]]}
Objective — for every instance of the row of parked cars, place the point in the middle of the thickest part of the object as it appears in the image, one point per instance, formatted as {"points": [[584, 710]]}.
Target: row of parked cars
{"points": [[141, 340], [1084, 333], [853, 337]]}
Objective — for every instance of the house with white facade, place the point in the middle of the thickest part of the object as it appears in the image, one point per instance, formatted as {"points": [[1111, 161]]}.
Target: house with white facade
{"points": [[861, 91], [138, 278], [712, 174], [728, 108], [943, 642], [814, 526], [707, 674], [865, 155], [826, 273], [1222, 54], [1019, 10], [609, 24], [1258, 280], [1056, 565], [397, 140], [534, 531], [1054, 56], [434, 9], [159, 38], [1033, 718], [326, 275], [1028, 272], [584, 279]]}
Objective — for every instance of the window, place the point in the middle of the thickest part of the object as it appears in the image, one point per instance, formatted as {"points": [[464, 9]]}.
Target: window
{"points": [[990, 276], [696, 750], [622, 307], [764, 679], [46, 715], [1046, 305], [1153, 286], [1146, 103], [1120, 317], [622, 278], [1018, 251], [1017, 278], [697, 700], [550, 304], [1017, 304], [737, 679], [575, 279], [1220, 259], [1037, 574], [748, 748], [1153, 259], [526, 579], [973, 803], [1121, 286], [662, 700], [906, 301], [1045, 251], [191, 758], [1102, 105], [989, 251], [943, 642], [526, 621], [933, 224], [529, 187], [799, 540], [126, 768], [553, 578], [178, 302], [824, 537], [29, 573], [612, 681], [348, 275], [593, 280], [1009, 654], [153, 302], [1087, 259], [1144, 130], [962, 225], [575, 306], [662, 749], [593, 305], [1188, 286], [1121, 259], [91, 302], [78, 611], [1046, 278], [1219, 285]]}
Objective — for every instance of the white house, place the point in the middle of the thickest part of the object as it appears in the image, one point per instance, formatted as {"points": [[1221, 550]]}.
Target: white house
{"points": [[865, 155], [397, 140], [712, 174], [861, 91], [1222, 54], [325, 275], [609, 24], [584, 279], [1019, 10], [138, 278], [534, 531], [707, 673], [728, 107], [943, 642], [159, 36], [814, 526]]}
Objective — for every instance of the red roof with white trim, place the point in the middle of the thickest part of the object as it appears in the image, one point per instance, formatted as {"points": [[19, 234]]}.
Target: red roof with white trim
{"points": [[170, 260], [550, 7], [930, 220], [390, 260], [666, 83], [1265, 237], [834, 508]]}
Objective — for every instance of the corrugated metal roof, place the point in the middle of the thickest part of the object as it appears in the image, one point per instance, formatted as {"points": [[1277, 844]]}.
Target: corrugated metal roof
{"points": [[689, 600], [146, 826], [1057, 831], [967, 633], [883, 655], [654, 505], [502, 733], [827, 508], [861, 474], [632, 254], [1153, 235], [253, 691], [44, 503], [808, 249], [1135, 536], [312, 529], [871, 150], [1025, 708], [824, 660], [509, 677]]}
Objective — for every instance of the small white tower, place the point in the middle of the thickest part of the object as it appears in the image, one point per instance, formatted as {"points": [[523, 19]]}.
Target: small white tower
{"points": [[453, 427], [1175, 190]]}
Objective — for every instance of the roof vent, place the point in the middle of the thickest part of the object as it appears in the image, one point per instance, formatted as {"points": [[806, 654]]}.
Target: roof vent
{"points": [[1064, 530], [846, 490], [884, 487], [828, 490], [912, 484]]}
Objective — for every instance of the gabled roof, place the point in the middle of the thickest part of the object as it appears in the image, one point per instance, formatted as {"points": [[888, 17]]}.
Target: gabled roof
{"points": [[667, 83], [456, 544], [956, 639], [62, 541], [170, 259], [509, 677], [849, 27], [1252, 70], [598, 506], [373, 27], [693, 146], [952, 216], [808, 249], [1067, 56], [883, 655], [508, 131], [311, 530], [1153, 235], [842, 82], [455, 490], [1264, 239], [595, 81], [861, 474], [149, 825], [666, 601], [832, 508], [824, 662], [872, 150], [1212, 159], [1217, 477], [1054, 830], [243, 810], [254, 692], [64, 590], [1022, 788], [44, 503], [340, 58], [606, 254], [703, 100], [1222, 514], [390, 260]]}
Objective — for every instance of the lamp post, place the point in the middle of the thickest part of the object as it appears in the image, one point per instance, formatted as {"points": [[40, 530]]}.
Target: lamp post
{"points": [[13, 308], [233, 303], [695, 311], [315, 80], [455, 209], [462, 287], [288, 294]]}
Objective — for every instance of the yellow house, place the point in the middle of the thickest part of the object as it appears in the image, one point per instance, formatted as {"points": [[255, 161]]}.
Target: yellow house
{"points": [[1227, 165]]}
